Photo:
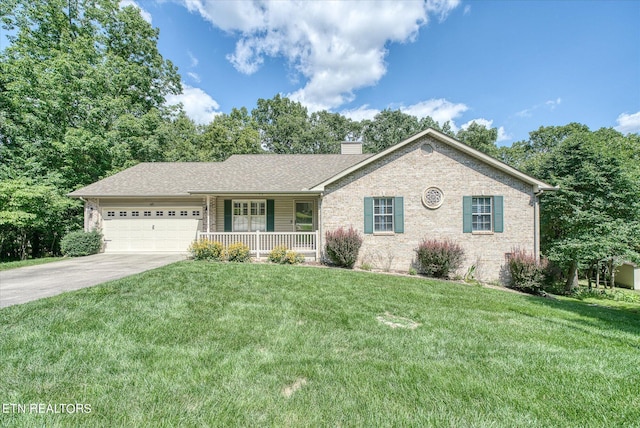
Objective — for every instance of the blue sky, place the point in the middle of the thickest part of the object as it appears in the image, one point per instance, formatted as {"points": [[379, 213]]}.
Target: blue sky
{"points": [[514, 65]]}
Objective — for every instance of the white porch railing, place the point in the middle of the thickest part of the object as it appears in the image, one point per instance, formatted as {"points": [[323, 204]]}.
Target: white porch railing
{"points": [[261, 243]]}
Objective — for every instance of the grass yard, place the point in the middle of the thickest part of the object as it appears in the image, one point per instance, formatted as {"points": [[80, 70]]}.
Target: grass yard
{"points": [[207, 344], [29, 262]]}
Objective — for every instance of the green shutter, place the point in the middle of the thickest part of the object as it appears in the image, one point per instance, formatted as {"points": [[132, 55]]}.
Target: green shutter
{"points": [[228, 217], [271, 218], [467, 215], [368, 215], [398, 214], [498, 214]]}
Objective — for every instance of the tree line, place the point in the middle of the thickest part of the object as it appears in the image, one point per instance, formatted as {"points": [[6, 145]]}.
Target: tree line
{"points": [[83, 92]]}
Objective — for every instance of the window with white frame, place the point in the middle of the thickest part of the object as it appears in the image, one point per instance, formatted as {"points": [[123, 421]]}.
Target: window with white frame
{"points": [[383, 214], [249, 215], [481, 214]]}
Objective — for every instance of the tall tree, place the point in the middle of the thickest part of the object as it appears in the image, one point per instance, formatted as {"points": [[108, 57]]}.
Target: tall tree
{"points": [[228, 134], [387, 128], [328, 130], [283, 125], [82, 83], [70, 66], [594, 217], [480, 138], [33, 217], [531, 155]]}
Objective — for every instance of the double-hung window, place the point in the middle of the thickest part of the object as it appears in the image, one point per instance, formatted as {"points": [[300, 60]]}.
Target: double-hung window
{"points": [[384, 215], [483, 214], [249, 216]]}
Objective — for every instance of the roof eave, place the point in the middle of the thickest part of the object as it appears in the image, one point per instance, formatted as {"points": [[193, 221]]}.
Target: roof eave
{"points": [[146, 195], [254, 192]]}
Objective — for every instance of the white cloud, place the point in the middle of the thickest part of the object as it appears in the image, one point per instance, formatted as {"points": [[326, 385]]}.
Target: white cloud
{"points": [[194, 60], [198, 105], [550, 104], [628, 123], [337, 46], [442, 8], [360, 113], [502, 134], [483, 122], [145, 15], [439, 109], [194, 76]]}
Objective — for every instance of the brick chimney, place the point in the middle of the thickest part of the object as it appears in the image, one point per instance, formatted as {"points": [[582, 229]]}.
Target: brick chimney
{"points": [[351, 148]]}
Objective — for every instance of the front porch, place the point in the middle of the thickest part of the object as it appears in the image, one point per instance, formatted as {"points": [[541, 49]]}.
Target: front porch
{"points": [[261, 243]]}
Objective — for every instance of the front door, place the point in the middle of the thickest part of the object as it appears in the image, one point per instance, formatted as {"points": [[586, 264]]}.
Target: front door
{"points": [[304, 216]]}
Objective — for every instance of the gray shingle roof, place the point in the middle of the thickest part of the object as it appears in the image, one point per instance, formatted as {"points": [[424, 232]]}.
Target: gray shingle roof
{"points": [[240, 173], [277, 173]]}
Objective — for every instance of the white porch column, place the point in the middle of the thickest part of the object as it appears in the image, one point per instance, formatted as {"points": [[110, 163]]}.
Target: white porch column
{"points": [[208, 213]]}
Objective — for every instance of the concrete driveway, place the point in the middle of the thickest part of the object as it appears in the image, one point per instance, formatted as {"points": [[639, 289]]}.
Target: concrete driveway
{"points": [[35, 282]]}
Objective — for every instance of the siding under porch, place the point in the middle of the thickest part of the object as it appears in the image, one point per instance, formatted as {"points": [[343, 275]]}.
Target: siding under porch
{"points": [[281, 224]]}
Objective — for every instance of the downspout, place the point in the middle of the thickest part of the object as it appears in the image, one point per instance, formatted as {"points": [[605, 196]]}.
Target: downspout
{"points": [[536, 224]]}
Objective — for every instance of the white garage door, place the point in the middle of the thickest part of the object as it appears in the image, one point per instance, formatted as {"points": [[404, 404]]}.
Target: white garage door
{"points": [[144, 229]]}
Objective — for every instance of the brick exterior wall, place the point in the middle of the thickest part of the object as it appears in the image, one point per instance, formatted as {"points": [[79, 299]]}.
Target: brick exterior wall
{"points": [[407, 172], [92, 215]]}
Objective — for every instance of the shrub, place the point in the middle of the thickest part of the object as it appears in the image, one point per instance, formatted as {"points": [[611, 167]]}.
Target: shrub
{"points": [[277, 254], [366, 266], [80, 243], [207, 250], [238, 252], [526, 273], [284, 256], [439, 258], [342, 246]]}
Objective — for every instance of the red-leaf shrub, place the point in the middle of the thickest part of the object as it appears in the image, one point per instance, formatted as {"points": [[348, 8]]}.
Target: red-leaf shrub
{"points": [[526, 273], [342, 246], [439, 258]]}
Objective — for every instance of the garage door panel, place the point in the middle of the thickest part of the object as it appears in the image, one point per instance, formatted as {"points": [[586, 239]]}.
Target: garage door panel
{"points": [[139, 234]]}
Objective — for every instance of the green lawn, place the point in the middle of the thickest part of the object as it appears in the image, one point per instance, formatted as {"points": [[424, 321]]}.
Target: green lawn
{"points": [[25, 263], [198, 344]]}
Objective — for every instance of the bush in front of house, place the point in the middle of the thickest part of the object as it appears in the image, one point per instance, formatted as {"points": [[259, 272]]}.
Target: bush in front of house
{"points": [[81, 243], [439, 259], [526, 273], [207, 250], [342, 246], [282, 255], [238, 252]]}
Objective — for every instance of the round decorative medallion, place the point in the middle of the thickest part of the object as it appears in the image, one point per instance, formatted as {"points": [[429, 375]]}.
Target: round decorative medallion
{"points": [[432, 197], [427, 149]]}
